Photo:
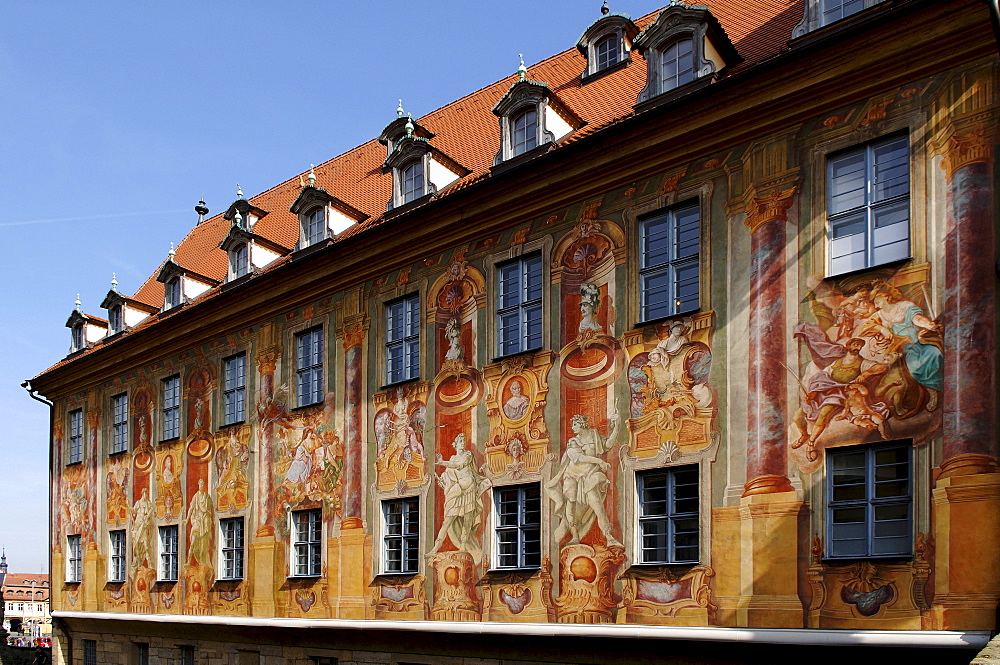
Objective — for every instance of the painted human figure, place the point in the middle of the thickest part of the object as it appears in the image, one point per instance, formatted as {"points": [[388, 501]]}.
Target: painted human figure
{"points": [[590, 300], [453, 333], [171, 486], [462, 486], [517, 404], [579, 487], [200, 519], [142, 530]]}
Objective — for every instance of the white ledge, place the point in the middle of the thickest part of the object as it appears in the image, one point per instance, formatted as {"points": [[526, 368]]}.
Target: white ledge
{"points": [[970, 639]]}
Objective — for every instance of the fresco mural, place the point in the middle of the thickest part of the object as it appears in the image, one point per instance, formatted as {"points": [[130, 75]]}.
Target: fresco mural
{"points": [[400, 419]]}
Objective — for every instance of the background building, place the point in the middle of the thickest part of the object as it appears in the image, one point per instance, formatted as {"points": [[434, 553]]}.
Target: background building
{"points": [[26, 605], [686, 333]]}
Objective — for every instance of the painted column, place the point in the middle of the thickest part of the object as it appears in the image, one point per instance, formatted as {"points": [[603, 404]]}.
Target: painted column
{"points": [[267, 362], [970, 306], [265, 561], [767, 430], [352, 504]]}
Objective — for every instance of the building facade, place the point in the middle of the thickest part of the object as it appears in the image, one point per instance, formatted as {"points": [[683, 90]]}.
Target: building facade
{"points": [[679, 342], [26, 606]]}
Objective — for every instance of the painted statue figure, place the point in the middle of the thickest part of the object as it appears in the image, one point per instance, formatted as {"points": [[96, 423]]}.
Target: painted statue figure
{"points": [[590, 300], [517, 404], [200, 518], [142, 531], [453, 333], [462, 486], [579, 487]]}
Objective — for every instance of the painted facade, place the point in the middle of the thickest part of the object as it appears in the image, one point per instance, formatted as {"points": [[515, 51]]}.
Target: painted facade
{"points": [[776, 366]]}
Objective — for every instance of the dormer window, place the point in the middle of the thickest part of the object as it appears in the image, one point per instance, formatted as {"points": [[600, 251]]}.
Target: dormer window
{"points": [[607, 42], [820, 13], [239, 261], [524, 131], [77, 340], [313, 227], [608, 52], [172, 293], [115, 320], [321, 215], [684, 45], [84, 329], [412, 185]]}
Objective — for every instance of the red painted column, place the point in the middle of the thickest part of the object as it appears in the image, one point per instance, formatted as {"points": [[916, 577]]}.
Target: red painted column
{"points": [[266, 365], [352, 503], [970, 382], [767, 456]]}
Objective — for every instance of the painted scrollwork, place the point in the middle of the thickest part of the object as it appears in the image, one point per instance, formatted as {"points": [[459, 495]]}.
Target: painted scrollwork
{"points": [[664, 597]]}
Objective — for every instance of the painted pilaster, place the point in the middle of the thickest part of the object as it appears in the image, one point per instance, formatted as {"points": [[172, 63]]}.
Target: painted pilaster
{"points": [[264, 557]]}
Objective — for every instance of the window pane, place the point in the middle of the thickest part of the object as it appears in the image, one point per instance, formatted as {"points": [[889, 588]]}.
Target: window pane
{"points": [[847, 182]]}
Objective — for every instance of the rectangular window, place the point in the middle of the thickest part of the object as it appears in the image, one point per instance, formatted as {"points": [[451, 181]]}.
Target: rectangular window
{"points": [[314, 227], [307, 533], [519, 305], [669, 244], [168, 553], [868, 205], [119, 423], [74, 559], [116, 573], [402, 339], [90, 652], [232, 548], [309, 367], [668, 515], [76, 436], [518, 526], [239, 261], [869, 502], [140, 653], [171, 426], [78, 340], [172, 293], [187, 654], [401, 535], [115, 320], [234, 387]]}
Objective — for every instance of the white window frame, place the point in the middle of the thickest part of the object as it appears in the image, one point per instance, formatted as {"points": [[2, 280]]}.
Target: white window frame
{"points": [[670, 517], [172, 294], [169, 549], [119, 423], [309, 369], [413, 190], [77, 338], [74, 559], [118, 553], [116, 316], [76, 432], [530, 139], [401, 541], [522, 529], [403, 342], [618, 50], [307, 543], [234, 386], [239, 261], [670, 54], [232, 552], [314, 227], [170, 409]]}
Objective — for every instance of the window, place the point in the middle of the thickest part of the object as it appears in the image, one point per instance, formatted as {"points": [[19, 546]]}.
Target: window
{"points": [[869, 509], [309, 367], [668, 515], [668, 263], [232, 548], [401, 535], [307, 530], [239, 261], [314, 227], [608, 52], [172, 293], [519, 305], [119, 423], [676, 65], [402, 339], [518, 526], [411, 181], [168, 553], [115, 319], [117, 567], [171, 411], [140, 653], [74, 568], [90, 652], [834, 10], [77, 339], [868, 203], [187, 654], [75, 436], [234, 386], [20, 607], [524, 131]]}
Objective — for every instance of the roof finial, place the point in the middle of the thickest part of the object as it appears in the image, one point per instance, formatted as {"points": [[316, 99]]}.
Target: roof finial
{"points": [[239, 192], [114, 282], [409, 126], [522, 71], [604, 8], [78, 303], [171, 254], [399, 110], [201, 209], [238, 219], [312, 176]]}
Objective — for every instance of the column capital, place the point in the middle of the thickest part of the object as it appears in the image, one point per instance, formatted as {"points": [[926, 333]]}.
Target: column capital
{"points": [[267, 360], [965, 142], [352, 333], [772, 207]]}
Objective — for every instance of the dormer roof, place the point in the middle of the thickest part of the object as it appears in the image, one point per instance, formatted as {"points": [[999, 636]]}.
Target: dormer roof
{"points": [[78, 317], [171, 269], [245, 209], [605, 25]]}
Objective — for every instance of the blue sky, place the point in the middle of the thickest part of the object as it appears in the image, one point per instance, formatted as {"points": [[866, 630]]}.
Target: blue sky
{"points": [[117, 117]]}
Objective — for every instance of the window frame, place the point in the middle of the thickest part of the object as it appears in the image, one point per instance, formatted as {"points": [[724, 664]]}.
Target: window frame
{"points": [[117, 555], [519, 528], [527, 309], [870, 207], [823, 11], [314, 370], [404, 541], [668, 268], [870, 502], [75, 427], [234, 389], [172, 293], [239, 261], [619, 51], [673, 47], [78, 340], [408, 345], [170, 407], [188, 654], [168, 565], [74, 558], [314, 227], [412, 193], [232, 548], [89, 652], [307, 543], [669, 517], [518, 148], [119, 423], [116, 319]]}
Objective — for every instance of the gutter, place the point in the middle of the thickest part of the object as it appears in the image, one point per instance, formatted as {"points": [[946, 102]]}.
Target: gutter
{"points": [[941, 639], [994, 19], [52, 415]]}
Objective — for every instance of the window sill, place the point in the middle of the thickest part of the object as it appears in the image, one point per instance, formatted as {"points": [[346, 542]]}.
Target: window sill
{"points": [[395, 578], [672, 565], [527, 570], [229, 580], [73, 582], [653, 322], [517, 160], [232, 424], [117, 453], [170, 440], [890, 264], [309, 250], [401, 382], [676, 93], [526, 352], [303, 578], [74, 463], [409, 205], [839, 561], [593, 76], [310, 405]]}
